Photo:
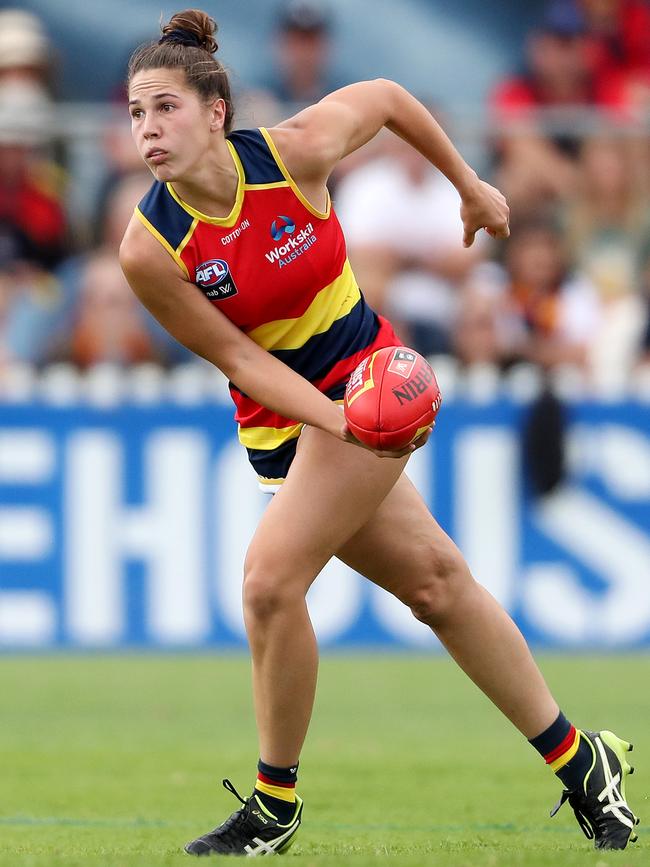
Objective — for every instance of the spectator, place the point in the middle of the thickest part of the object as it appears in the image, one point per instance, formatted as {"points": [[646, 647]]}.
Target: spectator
{"points": [[607, 225], [33, 223], [404, 233], [551, 316], [25, 51], [608, 220], [618, 36], [302, 49], [108, 325], [31, 187], [102, 321], [643, 353], [39, 324], [619, 48], [537, 169], [476, 337]]}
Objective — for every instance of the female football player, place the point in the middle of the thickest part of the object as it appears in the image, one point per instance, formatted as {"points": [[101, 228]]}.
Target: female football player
{"points": [[237, 252]]}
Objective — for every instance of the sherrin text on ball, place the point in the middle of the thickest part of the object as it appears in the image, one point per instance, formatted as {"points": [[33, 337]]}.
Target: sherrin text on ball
{"points": [[391, 398]]}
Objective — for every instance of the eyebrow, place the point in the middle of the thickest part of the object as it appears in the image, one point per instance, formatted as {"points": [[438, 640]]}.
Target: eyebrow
{"points": [[156, 96]]}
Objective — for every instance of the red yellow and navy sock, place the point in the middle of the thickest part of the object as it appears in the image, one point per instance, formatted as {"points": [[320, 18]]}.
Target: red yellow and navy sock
{"points": [[567, 753], [276, 789]]}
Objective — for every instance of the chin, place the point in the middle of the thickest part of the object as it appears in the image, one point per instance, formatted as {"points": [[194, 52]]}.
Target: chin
{"points": [[163, 173]]}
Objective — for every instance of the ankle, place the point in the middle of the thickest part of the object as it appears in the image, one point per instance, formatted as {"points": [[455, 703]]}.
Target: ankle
{"points": [[565, 751], [275, 788]]}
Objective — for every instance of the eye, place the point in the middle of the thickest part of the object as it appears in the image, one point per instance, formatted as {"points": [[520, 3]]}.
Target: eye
{"points": [[137, 113], [167, 106]]}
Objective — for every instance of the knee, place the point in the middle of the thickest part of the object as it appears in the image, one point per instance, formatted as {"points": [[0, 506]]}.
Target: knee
{"points": [[443, 578], [268, 589]]}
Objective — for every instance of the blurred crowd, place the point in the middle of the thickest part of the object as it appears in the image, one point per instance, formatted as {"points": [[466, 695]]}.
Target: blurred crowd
{"points": [[567, 140]]}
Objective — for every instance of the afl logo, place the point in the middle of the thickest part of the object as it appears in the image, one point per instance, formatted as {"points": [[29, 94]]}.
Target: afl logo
{"points": [[215, 280], [211, 272], [282, 226]]}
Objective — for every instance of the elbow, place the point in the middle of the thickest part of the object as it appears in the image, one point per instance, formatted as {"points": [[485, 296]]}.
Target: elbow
{"points": [[390, 95]]}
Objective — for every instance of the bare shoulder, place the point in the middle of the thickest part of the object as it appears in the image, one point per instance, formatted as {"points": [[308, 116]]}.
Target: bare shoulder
{"points": [[306, 143], [145, 263], [140, 252]]}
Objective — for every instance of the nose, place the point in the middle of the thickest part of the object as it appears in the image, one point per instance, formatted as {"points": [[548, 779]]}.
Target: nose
{"points": [[151, 128]]}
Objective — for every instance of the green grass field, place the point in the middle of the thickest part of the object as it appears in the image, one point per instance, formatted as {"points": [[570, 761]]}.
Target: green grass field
{"points": [[119, 761]]}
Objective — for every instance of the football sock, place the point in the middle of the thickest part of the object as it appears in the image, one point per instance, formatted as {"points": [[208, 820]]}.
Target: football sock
{"points": [[276, 789], [567, 753]]}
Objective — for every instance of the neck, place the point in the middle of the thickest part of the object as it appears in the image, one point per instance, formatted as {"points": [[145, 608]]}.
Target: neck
{"points": [[211, 187]]}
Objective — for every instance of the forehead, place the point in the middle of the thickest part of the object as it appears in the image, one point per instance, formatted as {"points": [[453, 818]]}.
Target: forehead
{"points": [[148, 82]]}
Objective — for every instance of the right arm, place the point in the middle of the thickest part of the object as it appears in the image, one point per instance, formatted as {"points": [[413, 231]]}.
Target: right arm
{"points": [[196, 323]]}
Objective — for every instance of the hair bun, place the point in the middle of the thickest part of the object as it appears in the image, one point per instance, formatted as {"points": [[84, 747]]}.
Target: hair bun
{"points": [[192, 27]]}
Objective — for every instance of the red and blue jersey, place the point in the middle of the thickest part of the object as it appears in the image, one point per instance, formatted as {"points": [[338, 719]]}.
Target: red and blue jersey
{"points": [[278, 269]]}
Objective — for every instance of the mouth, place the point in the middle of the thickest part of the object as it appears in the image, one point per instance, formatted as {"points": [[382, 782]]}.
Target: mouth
{"points": [[156, 155]]}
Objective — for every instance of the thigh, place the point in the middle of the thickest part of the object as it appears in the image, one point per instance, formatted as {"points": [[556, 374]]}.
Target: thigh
{"points": [[401, 547], [332, 489]]}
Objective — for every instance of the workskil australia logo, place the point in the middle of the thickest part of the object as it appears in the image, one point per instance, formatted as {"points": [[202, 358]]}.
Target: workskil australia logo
{"points": [[215, 280], [294, 244], [282, 226]]}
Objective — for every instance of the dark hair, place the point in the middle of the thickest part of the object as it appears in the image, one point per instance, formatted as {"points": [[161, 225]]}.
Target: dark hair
{"points": [[188, 43]]}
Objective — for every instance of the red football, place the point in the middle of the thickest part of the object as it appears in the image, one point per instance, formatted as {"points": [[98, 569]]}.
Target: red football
{"points": [[391, 398]]}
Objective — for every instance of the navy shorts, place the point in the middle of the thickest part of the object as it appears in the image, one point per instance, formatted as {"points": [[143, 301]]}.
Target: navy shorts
{"points": [[272, 465]]}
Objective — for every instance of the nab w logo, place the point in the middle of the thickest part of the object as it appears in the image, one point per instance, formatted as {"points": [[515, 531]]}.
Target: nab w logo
{"points": [[215, 279], [282, 226]]}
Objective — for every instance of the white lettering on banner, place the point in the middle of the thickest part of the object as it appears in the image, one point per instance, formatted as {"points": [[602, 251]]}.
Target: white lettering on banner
{"points": [[486, 507], [619, 455], [197, 515], [93, 597], [26, 456], [27, 618], [25, 533], [238, 506], [166, 533], [557, 603], [613, 549], [335, 599]]}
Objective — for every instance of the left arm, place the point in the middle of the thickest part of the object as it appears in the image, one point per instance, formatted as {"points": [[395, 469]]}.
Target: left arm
{"points": [[315, 140]]}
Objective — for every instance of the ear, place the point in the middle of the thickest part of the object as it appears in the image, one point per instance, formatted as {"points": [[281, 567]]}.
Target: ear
{"points": [[217, 114]]}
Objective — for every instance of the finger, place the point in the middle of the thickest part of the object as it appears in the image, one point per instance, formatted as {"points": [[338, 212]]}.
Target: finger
{"points": [[502, 231], [397, 454], [468, 238]]}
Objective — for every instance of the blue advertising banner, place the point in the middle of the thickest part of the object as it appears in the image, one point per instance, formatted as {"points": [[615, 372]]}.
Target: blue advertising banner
{"points": [[127, 527]]}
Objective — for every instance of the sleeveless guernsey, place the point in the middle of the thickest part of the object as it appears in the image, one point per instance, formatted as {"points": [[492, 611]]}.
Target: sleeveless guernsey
{"points": [[278, 269]]}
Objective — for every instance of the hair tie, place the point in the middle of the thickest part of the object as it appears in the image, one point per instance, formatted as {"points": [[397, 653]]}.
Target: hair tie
{"points": [[180, 36]]}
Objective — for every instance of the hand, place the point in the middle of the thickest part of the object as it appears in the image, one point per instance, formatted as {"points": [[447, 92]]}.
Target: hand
{"points": [[349, 437], [484, 207]]}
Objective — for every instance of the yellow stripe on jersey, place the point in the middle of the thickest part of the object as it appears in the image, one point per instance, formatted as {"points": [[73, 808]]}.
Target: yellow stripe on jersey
{"points": [[186, 239], [322, 215], [281, 792], [268, 437], [162, 240], [331, 303], [567, 756], [275, 185]]}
